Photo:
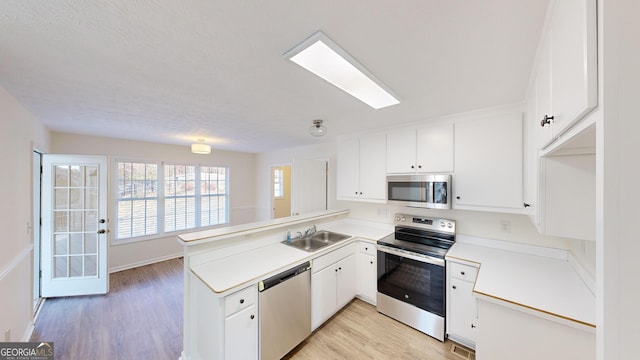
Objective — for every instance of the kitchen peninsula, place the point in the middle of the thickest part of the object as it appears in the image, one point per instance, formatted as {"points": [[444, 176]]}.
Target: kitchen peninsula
{"points": [[222, 268]]}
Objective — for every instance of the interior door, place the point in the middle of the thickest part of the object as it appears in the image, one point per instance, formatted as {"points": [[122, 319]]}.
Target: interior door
{"points": [[308, 186], [74, 225]]}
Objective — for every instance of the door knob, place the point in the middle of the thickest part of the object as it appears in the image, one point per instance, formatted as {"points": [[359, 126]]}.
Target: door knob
{"points": [[102, 231], [102, 221]]}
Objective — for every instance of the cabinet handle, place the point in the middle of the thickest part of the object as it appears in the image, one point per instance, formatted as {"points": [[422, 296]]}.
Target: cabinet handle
{"points": [[454, 287], [546, 120], [473, 326], [339, 268], [419, 166], [461, 272], [458, 197], [526, 205], [356, 193], [371, 262], [241, 301], [360, 192], [336, 270], [413, 167], [253, 317]]}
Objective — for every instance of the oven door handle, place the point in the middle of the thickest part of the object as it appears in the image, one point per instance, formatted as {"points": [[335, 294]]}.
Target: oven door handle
{"points": [[413, 256]]}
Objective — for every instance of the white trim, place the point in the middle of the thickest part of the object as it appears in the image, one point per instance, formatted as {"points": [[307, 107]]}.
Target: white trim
{"points": [[582, 273], [28, 331], [145, 262], [515, 247], [16, 260]]}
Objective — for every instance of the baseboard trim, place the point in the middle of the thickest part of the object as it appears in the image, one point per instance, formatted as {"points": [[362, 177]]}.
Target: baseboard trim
{"points": [[145, 262], [28, 331], [16, 261]]}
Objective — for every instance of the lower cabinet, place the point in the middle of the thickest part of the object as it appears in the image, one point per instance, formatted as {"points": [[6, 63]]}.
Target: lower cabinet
{"points": [[241, 334], [367, 275], [462, 314], [333, 283], [241, 324]]}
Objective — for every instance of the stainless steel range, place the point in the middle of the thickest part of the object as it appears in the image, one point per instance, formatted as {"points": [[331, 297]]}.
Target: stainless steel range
{"points": [[411, 272]]}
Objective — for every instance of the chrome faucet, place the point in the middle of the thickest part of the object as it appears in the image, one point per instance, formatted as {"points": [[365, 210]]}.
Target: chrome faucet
{"points": [[310, 231]]}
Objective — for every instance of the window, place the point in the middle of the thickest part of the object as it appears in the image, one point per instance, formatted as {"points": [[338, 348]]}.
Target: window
{"points": [[153, 199], [137, 199], [213, 196], [277, 183], [179, 197]]}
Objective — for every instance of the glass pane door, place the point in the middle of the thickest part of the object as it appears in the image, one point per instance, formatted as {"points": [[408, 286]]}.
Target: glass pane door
{"points": [[74, 225]]}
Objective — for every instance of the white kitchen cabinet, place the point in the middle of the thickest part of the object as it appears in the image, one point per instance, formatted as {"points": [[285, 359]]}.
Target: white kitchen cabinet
{"points": [[241, 324], [361, 169], [462, 313], [367, 274], [510, 332], [241, 334], [333, 283], [427, 149], [488, 163], [566, 74]]}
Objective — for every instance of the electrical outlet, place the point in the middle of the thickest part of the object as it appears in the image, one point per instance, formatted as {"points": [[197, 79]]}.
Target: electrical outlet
{"points": [[7, 335], [505, 226]]}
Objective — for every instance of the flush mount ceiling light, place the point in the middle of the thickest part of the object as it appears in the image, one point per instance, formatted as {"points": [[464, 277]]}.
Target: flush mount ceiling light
{"points": [[317, 129], [201, 148], [327, 60]]}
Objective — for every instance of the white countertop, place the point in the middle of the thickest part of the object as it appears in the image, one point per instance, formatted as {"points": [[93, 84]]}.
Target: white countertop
{"points": [[548, 285], [230, 273]]}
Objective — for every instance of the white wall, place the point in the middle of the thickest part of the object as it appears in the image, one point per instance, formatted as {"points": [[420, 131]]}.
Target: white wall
{"points": [[617, 174], [20, 134], [241, 186]]}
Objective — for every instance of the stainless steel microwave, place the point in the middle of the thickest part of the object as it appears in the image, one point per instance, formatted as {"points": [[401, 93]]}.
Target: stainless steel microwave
{"points": [[423, 191]]}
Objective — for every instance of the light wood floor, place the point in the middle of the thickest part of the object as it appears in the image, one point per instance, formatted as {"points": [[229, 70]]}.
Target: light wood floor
{"points": [[141, 318], [358, 331]]}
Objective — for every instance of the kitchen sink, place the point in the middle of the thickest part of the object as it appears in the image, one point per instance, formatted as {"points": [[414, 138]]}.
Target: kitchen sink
{"points": [[317, 241], [329, 237]]}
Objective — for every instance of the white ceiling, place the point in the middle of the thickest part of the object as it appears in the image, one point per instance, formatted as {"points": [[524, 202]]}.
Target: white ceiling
{"points": [[171, 71]]}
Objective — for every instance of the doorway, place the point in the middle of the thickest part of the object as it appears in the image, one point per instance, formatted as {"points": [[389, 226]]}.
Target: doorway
{"points": [[281, 191]]}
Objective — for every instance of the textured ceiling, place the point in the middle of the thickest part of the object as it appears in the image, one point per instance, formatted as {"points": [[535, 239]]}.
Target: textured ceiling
{"points": [[172, 71]]}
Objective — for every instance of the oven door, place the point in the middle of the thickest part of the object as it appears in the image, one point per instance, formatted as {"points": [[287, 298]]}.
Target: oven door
{"points": [[412, 278]]}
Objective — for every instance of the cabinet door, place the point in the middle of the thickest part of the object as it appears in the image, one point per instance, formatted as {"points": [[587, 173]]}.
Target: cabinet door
{"points": [[323, 295], [543, 95], [462, 309], [367, 286], [401, 152], [241, 334], [435, 149], [348, 168], [572, 36], [488, 163], [347, 276], [372, 167]]}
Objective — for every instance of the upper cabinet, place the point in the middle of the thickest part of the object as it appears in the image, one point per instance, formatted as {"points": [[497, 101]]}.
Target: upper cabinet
{"points": [[566, 73], [427, 149], [488, 163], [361, 169]]}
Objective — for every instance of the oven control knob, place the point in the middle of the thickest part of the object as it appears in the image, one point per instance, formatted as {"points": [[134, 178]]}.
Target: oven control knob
{"points": [[404, 219], [397, 218], [442, 224], [449, 225]]}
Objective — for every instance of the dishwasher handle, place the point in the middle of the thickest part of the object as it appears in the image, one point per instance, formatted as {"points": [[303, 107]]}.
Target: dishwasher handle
{"points": [[283, 276]]}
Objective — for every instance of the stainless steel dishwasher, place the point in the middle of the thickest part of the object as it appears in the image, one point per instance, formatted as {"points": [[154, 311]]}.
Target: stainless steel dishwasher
{"points": [[285, 311]]}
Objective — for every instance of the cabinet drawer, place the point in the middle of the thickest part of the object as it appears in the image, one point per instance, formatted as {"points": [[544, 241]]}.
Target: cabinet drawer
{"points": [[463, 272], [239, 300], [367, 248]]}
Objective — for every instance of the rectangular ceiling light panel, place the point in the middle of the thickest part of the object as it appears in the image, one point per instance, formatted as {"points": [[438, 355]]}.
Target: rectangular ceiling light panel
{"points": [[321, 56]]}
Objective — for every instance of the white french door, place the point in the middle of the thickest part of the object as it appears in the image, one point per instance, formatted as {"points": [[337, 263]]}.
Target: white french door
{"points": [[74, 225]]}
